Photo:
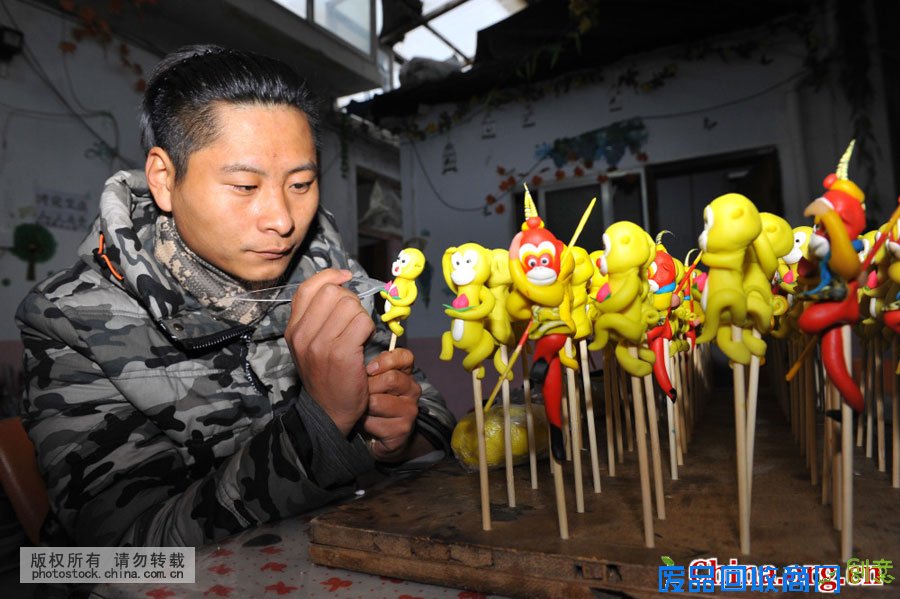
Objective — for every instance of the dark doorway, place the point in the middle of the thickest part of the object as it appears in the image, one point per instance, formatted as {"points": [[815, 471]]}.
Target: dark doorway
{"points": [[679, 191], [380, 225]]}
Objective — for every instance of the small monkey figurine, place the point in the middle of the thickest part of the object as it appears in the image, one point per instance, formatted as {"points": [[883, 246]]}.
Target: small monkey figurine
{"points": [[400, 293]]}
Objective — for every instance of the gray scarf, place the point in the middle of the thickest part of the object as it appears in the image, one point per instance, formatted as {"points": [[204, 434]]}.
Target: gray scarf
{"points": [[209, 285]]}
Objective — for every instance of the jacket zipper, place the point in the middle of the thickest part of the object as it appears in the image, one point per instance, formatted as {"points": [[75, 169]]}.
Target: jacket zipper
{"points": [[248, 371], [229, 335]]}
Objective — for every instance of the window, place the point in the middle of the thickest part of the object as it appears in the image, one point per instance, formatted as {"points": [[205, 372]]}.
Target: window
{"points": [[350, 20], [619, 197], [298, 7], [679, 191]]}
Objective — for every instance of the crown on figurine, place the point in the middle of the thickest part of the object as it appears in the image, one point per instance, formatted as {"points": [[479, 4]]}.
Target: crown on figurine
{"points": [[532, 220], [839, 180]]}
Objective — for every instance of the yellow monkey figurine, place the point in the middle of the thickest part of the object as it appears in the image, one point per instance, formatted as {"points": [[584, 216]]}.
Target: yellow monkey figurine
{"points": [[400, 293], [467, 269], [584, 269], [776, 239], [498, 322], [628, 252], [731, 225]]}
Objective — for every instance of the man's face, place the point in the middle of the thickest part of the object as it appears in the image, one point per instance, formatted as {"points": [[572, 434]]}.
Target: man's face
{"points": [[248, 198]]}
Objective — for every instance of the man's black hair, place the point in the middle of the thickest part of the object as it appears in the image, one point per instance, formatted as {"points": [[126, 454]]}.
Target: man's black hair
{"points": [[178, 110]]}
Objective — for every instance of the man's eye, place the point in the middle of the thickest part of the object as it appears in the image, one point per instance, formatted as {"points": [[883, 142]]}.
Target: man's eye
{"points": [[302, 187], [244, 188]]}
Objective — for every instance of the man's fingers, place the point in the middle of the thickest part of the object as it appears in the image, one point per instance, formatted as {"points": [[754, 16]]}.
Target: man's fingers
{"points": [[330, 310], [394, 382], [400, 359], [385, 428], [309, 289], [385, 405]]}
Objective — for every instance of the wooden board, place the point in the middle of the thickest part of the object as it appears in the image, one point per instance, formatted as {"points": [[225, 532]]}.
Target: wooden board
{"points": [[429, 528]]}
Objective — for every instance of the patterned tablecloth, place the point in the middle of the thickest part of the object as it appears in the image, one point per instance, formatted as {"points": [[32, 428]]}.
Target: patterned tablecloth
{"points": [[273, 561]]}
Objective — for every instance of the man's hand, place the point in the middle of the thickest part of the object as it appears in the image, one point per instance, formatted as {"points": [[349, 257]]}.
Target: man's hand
{"points": [[326, 334], [393, 404]]}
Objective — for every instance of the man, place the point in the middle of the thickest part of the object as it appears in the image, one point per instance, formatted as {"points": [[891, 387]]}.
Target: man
{"points": [[166, 410]]}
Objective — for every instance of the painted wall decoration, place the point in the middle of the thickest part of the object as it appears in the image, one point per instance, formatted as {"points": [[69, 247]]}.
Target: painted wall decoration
{"points": [[607, 143], [62, 209], [33, 243]]}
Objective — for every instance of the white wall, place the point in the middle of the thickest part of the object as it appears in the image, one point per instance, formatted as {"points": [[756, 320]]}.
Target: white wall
{"points": [[43, 146], [754, 105], [338, 192]]}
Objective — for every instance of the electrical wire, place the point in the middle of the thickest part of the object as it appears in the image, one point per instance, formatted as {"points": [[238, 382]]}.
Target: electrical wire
{"points": [[35, 66], [86, 111], [434, 190], [441, 199], [696, 111]]}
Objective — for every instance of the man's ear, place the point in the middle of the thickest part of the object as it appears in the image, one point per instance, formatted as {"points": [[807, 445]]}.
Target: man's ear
{"points": [[160, 172]]}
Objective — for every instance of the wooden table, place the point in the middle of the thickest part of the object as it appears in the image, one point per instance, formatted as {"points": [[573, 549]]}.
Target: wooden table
{"points": [[429, 528]]}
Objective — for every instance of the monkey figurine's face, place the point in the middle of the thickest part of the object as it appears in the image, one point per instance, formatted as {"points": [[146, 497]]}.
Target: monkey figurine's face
{"points": [[801, 243], [539, 264], [869, 238], [892, 244], [626, 246], [662, 271], [730, 222], [466, 264], [409, 264], [778, 232], [539, 252]]}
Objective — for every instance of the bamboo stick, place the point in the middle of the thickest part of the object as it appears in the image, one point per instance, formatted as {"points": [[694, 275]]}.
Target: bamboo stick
{"points": [[629, 430], [507, 436], [610, 404], [656, 454], [870, 400], [879, 404], [575, 428], [895, 423], [641, 440], [589, 413], [671, 418], [809, 404], [847, 470], [740, 417], [752, 392], [482, 454], [560, 492], [529, 423]]}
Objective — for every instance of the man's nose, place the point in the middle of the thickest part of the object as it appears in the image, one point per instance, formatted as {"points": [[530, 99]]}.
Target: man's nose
{"points": [[275, 214]]}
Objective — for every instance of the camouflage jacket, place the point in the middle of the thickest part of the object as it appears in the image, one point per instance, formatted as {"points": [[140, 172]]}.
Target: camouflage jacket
{"points": [[155, 424]]}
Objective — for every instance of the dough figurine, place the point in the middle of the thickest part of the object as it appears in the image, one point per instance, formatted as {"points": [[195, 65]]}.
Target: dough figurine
{"points": [[663, 275], [498, 323], [628, 253], [400, 293], [467, 269], [789, 263], [581, 276], [760, 268], [839, 219], [541, 271], [731, 225]]}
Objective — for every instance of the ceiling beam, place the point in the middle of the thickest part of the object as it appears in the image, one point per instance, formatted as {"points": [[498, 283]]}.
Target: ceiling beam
{"points": [[393, 36]]}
